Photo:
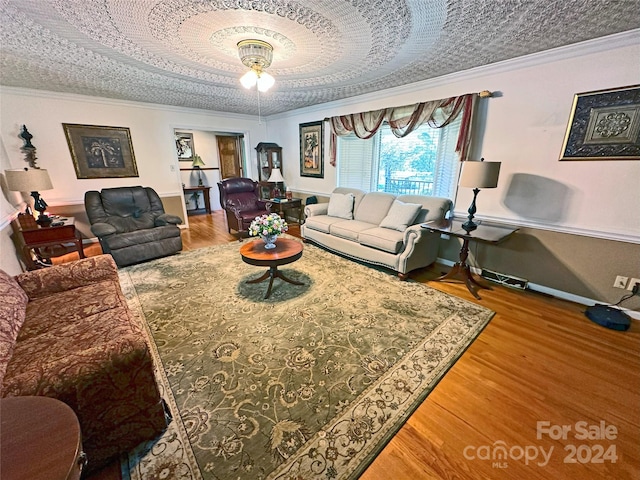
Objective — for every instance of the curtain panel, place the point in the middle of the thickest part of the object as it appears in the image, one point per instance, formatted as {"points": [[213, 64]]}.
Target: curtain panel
{"points": [[405, 119]]}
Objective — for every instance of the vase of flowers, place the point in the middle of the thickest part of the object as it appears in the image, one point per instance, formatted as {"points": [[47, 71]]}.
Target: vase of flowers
{"points": [[268, 227]]}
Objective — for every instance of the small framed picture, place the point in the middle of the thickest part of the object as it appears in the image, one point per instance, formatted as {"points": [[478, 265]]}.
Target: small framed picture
{"points": [[184, 146], [604, 125], [100, 152], [311, 150]]}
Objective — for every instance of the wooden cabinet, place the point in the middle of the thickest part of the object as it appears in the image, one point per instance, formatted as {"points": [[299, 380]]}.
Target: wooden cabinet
{"points": [[269, 157]]}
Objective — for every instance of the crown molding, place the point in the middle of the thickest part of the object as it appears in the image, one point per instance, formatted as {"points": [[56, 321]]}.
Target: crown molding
{"points": [[118, 102]]}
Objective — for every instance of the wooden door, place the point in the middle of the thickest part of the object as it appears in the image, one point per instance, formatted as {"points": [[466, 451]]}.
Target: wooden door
{"points": [[230, 158]]}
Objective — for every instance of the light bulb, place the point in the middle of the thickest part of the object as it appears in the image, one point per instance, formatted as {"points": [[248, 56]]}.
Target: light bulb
{"points": [[249, 79], [265, 82]]}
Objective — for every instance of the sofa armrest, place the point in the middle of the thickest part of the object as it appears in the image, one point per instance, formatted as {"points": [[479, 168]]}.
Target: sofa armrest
{"points": [[103, 229], [167, 219], [316, 209], [67, 276]]}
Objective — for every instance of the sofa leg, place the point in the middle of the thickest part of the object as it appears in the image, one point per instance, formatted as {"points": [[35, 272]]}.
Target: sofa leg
{"points": [[403, 276]]}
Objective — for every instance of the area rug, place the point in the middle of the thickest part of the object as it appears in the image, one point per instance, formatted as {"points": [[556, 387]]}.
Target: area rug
{"points": [[308, 384]]}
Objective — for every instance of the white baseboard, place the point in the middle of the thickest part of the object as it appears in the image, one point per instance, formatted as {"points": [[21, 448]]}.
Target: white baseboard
{"points": [[555, 293]]}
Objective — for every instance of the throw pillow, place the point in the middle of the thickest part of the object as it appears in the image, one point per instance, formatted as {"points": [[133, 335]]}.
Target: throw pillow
{"points": [[341, 205], [401, 215]]}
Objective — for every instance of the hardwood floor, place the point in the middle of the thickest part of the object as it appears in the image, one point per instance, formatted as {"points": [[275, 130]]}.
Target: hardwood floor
{"points": [[539, 360]]}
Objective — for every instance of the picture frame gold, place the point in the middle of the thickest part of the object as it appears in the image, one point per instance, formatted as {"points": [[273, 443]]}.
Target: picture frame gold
{"points": [[312, 149], [604, 125], [100, 151]]}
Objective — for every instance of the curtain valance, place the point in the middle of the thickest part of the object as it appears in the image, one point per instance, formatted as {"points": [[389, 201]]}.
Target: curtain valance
{"points": [[405, 119]]}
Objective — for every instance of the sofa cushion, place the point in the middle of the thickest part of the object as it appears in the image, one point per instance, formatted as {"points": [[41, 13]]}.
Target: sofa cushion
{"points": [[349, 229], [383, 239], [373, 207], [321, 223], [401, 215], [13, 305], [138, 237], [341, 205], [54, 312]]}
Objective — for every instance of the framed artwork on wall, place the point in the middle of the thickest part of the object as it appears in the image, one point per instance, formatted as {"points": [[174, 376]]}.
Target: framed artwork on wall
{"points": [[100, 152], [311, 150], [184, 146], [604, 125]]}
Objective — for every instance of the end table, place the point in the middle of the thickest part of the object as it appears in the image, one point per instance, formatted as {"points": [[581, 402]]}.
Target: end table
{"points": [[39, 440], [485, 233]]}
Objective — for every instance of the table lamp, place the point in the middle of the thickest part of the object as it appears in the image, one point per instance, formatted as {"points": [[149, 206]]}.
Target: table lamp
{"points": [[276, 177], [31, 180], [197, 163], [477, 175]]}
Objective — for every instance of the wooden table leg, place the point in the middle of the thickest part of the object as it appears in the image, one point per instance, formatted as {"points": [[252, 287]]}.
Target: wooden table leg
{"points": [[462, 271], [271, 274]]}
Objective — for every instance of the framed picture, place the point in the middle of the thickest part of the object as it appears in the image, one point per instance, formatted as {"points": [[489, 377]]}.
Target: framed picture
{"points": [[311, 150], [100, 152], [184, 146], [604, 125]]}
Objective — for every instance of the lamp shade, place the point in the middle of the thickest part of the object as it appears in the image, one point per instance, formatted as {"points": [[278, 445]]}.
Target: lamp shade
{"points": [[197, 161], [276, 176], [31, 180], [479, 174]]}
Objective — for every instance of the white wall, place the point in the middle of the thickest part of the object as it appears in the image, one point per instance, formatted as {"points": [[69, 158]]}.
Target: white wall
{"points": [[152, 134], [524, 129]]}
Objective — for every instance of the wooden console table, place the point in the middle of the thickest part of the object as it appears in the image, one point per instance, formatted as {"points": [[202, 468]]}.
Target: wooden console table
{"points": [[485, 233], [40, 439], [45, 242], [205, 193]]}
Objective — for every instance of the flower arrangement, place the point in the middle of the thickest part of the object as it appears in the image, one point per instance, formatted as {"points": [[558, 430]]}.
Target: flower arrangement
{"points": [[270, 224]]}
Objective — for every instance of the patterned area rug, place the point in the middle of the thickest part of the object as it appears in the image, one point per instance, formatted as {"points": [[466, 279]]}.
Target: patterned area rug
{"points": [[310, 383]]}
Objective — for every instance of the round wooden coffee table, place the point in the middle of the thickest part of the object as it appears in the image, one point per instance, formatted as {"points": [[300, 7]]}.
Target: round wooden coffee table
{"points": [[286, 251], [40, 439]]}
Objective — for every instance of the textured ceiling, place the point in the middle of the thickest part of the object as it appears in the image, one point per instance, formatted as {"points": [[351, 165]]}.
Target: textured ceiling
{"points": [[183, 52]]}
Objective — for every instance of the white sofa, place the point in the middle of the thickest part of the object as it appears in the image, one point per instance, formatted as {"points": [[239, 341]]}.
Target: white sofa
{"points": [[379, 229]]}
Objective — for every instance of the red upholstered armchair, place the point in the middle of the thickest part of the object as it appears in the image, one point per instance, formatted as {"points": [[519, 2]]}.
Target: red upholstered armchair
{"points": [[239, 198]]}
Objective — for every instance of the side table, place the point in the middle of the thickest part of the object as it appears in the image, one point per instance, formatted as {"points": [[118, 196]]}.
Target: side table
{"points": [[205, 193], [43, 240], [485, 233], [281, 206], [39, 440]]}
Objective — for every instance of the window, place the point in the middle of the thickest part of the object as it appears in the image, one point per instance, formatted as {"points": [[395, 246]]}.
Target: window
{"points": [[422, 163]]}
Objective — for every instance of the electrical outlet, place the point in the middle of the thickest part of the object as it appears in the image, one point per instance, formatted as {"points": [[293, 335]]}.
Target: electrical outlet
{"points": [[621, 282], [632, 283]]}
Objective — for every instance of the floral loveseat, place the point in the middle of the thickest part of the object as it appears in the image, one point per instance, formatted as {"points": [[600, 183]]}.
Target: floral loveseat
{"points": [[377, 227], [66, 332]]}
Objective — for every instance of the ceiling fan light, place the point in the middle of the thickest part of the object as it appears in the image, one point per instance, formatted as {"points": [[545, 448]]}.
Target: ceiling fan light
{"points": [[265, 81], [255, 52], [249, 79]]}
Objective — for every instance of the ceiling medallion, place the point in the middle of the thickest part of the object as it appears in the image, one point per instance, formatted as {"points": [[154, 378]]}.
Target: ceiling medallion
{"points": [[257, 55]]}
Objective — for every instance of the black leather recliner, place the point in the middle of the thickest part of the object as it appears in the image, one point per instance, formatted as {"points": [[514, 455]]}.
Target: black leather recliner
{"points": [[131, 224]]}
